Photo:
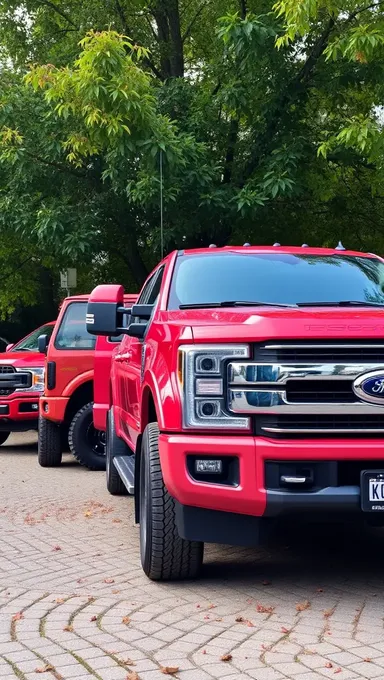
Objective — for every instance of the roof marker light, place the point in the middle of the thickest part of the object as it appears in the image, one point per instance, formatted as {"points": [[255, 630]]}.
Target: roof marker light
{"points": [[246, 245], [212, 245], [276, 245], [339, 246], [305, 245]]}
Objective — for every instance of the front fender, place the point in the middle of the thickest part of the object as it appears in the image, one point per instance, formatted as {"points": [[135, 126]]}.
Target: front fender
{"points": [[77, 382]]}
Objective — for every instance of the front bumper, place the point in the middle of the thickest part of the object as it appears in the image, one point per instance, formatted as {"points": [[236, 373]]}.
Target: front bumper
{"points": [[19, 413], [53, 408], [254, 494]]}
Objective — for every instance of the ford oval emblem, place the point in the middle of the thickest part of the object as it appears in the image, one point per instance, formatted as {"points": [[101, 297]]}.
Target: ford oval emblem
{"points": [[370, 387]]}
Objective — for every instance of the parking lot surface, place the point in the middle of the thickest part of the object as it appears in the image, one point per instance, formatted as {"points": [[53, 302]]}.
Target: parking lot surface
{"points": [[75, 603]]}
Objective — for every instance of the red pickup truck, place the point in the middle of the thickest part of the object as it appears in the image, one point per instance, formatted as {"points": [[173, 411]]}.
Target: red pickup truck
{"points": [[249, 387], [21, 383], [66, 415]]}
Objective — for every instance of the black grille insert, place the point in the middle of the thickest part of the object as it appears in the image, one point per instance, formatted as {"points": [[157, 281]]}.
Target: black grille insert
{"points": [[322, 425], [359, 351], [320, 391], [7, 369]]}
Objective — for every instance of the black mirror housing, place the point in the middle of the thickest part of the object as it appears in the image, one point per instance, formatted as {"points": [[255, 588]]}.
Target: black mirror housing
{"points": [[103, 318], [42, 343], [137, 330]]}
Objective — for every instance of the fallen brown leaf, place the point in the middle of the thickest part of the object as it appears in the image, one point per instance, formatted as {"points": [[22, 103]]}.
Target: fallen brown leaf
{"points": [[262, 609], [285, 630], [56, 548], [169, 670], [338, 670], [115, 592], [109, 580], [18, 616], [116, 521], [126, 620], [68, 629], [211, 606], [132, 675], [329, 665], [93, 618], [45, 669], [327, 613], [128, 662], [60, 600], [204, 651], [367, 660], [240, 619], [226, 657], [319, 590], [302, 606], [88, 513]]}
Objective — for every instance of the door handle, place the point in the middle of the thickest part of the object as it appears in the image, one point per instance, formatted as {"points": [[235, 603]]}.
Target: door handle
{"points": [[123, 357]]}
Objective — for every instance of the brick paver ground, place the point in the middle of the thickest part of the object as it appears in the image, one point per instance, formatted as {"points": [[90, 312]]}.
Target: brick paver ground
{"points": [[75, 603]]}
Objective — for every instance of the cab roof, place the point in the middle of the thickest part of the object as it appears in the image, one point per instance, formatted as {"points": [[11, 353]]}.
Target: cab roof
{"points": [[286, 250]]}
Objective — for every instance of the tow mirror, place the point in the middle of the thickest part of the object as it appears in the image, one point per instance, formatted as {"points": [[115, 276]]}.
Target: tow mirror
{"points": [[137, 330], [9, 347], [106, 318], [42, 343]]}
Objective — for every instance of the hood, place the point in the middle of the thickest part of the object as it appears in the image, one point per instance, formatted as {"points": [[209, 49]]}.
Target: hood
{"points": [[267, 323], [21, 359]]}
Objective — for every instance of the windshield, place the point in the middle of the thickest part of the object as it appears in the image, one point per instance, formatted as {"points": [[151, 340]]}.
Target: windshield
{"points": [[72, 333], [29, 344], [276, 278]]}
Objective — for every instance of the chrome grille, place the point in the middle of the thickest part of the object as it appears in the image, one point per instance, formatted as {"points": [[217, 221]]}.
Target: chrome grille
{"points": [[307, 388]]}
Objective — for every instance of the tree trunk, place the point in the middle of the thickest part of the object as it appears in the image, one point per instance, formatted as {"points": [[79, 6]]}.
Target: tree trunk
{"points": [[167, 16]]}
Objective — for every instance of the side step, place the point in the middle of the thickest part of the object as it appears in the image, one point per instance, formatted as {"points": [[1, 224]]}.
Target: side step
{"points": [[125, 466]]}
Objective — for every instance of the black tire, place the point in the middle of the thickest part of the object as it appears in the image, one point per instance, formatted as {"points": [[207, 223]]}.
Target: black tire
{"points": [[86, 443], [49, 451], [114, 446], [164, 555], [3, 437]]}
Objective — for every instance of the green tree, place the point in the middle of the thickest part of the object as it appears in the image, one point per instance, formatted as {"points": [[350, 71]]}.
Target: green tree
{"points": [[266, 118]]}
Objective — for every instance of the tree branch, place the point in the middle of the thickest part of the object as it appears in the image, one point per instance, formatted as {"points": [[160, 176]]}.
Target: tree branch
{"points": [[57, 166], [373, 5], [127, 32], [194, 19], [56, 9]]}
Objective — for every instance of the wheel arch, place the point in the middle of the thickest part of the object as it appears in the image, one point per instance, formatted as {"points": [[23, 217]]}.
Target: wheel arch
{"points": [[148, 415]]}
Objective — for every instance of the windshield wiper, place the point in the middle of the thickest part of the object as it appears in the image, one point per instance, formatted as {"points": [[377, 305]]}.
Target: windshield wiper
{"points": [[234, 303], [341, 303]]}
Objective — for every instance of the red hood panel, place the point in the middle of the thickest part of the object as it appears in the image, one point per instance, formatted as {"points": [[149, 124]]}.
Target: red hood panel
{"points": [[228, 325], [21, 359]]}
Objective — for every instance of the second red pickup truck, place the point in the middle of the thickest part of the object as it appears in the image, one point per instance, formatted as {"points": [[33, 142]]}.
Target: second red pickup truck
{"points": [[66, 407], [249, 386]]}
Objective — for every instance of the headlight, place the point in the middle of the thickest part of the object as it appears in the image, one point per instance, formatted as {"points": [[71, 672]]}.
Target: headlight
{"points": [[202, 378], [37, 382]]}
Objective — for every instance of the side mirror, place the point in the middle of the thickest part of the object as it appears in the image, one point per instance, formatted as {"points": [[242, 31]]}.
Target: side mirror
{"points": [[106, 318], [9, 347], [137, 330], [105, 311], [42, 343]]}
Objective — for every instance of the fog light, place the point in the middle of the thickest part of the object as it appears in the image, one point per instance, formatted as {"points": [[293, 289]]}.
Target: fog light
{"points": [[210, 467], [35, 407], [46, 407]]}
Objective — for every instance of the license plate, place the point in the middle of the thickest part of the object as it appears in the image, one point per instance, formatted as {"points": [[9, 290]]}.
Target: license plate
{"points": [[372, 490]]}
